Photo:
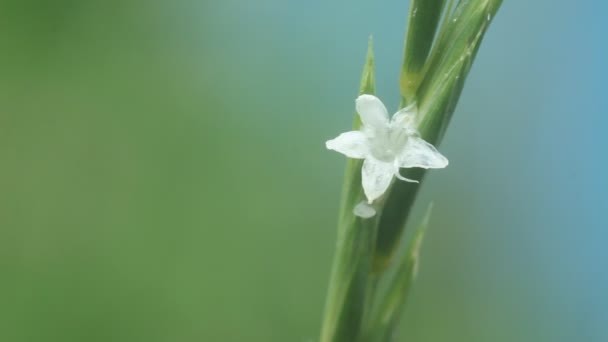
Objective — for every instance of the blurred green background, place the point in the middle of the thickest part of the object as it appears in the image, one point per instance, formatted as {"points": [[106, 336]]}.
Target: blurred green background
{"points": [[163, 175]]}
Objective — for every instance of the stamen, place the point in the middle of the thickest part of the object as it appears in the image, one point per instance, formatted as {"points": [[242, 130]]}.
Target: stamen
{"points": [[399, 176]]}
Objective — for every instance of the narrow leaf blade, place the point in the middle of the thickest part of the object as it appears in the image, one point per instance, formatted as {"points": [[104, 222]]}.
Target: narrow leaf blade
{"points": [[423, 20], [392, 303], [346, 296]]}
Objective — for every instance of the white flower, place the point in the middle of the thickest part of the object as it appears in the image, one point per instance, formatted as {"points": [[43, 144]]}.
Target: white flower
{"points": [[386, 145]]}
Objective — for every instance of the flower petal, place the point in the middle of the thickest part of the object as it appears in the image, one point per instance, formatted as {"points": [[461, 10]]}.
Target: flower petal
{"points": [[352, 144], [419, 153], [405, 117], [376, 176], [372, 111]]}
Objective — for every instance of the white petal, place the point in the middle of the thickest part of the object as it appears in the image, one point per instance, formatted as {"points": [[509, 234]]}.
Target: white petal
{"points": [[364, 210], [405, 118], [419, 153], [376, 176], [352, 144], [372, 111]]}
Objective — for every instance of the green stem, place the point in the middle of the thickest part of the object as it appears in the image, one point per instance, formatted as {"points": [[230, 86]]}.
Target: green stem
{"points": [[349, 282]]}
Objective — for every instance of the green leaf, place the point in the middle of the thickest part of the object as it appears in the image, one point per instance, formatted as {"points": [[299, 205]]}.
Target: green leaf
{"points": [[348, 288], [390, 307], [423, 20]]}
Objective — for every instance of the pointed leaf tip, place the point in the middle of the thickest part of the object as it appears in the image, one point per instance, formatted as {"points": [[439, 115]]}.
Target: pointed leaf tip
{"points": [[368, 83]]}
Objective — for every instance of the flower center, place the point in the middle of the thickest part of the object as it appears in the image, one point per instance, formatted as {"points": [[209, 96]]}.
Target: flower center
{"points": [[387, 145]]}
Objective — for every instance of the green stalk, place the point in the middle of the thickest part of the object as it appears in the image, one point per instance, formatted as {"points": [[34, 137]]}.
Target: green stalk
{"points": [[450, 61], [347, 296], [391, 304], [423, 22]]}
